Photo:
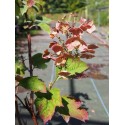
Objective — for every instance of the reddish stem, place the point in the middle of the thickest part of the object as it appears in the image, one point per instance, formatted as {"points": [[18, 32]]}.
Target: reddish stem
{"points": [[31, 74], [30, 64], [29, 54]]}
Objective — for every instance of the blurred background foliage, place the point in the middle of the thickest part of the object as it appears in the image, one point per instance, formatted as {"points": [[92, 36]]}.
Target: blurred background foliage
{"points": [[97, 10], [47, 10]]}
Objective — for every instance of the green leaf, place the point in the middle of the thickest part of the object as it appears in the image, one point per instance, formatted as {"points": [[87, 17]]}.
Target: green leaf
{"points": [[36, 8], [17, 10], [33, 83], [45, 27], [46, 107], [19, 68], [46, 20], [39, 62], [23, 9], [72, 109], [32, 13], [75, 65], [41, 2]]}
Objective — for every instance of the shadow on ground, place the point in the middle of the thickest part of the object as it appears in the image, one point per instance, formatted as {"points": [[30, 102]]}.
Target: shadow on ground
{"points": [[95, 71], [58, 120]]}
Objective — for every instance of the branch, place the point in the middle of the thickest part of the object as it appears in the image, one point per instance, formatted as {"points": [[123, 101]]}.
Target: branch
{"points": [[17, 112], [23, 61], [52, 83], [21, 101]]}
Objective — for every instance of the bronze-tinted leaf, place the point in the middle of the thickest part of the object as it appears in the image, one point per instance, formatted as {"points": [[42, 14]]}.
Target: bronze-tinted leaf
{"points": [[92, 46], [64, 74], [72, 109], [52, 43], [90, 50], [57, 49], [75, 42], [87, 56], [60, 61], [75, 31], [46, 54], [79, 76], [46, 106]]}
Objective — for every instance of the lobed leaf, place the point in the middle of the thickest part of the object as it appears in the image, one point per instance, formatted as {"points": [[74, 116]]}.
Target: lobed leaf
{"points": [[72, 109], [33, 83], [75, 65], [46, 106]]}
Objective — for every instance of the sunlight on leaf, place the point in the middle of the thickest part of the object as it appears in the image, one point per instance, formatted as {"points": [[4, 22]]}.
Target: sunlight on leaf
{"points": [[75, 65], [46, 107], [72, 109], [23, 9], [45, 27], [33, 84], [19, 68]]}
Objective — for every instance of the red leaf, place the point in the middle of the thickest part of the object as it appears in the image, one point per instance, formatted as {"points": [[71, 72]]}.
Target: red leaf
{"points": [[52, 36], [90, 30], [54, 32], [52, 43], [63, 27], [60, 61], [87, 56], [75, 31], [46, 54], [57, 49], [89, 26], [90, 50], [72, 39], [76, 42], [64, 74], [30, 3], [84, 27], [92, 46], [82, 20], [79, 75]]}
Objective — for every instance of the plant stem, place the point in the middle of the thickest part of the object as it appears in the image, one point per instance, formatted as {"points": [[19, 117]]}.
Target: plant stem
{"points": [[20, 101], [52, 83], [29, 54], [31, 74], [17, 112], [30, 65]]}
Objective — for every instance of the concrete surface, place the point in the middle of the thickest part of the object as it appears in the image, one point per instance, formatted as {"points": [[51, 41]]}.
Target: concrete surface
{"points": [[93, 90]]}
